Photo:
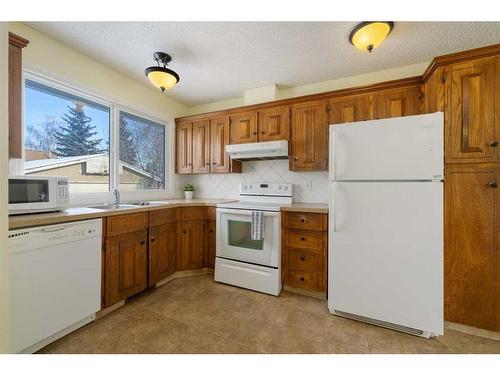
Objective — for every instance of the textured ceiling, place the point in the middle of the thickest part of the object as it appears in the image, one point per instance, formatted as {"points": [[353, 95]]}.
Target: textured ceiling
{"points": [[219, 60]]}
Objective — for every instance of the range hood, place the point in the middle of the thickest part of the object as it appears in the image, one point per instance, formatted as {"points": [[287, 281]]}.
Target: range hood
{"points": [[258, 150]]}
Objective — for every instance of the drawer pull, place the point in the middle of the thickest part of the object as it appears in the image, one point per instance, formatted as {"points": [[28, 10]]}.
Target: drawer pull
{"points": [[302, 279], [493, 184], [302, 238], [184, 231], [143, 242], [302, 220], [152, 240], [302, 258], [494, 144]]}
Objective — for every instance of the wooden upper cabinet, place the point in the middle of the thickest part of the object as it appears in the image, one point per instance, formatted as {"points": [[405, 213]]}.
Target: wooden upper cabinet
{"points": [[472, 115], [471, 222], [403, 101], [184, 147], [126, 266], [309, 137], [201, 146], [16, 44], [350, 109], [219, 138], [243, 127], [434, 91], [273, 124]]}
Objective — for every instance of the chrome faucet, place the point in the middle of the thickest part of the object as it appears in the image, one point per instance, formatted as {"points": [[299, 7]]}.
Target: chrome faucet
{"points": [[116, 193]]}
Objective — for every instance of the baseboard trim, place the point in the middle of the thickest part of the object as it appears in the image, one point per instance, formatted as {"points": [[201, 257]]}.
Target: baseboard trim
{"points": [[110, 309], [472, 330], [304, 292], [179, 274]]}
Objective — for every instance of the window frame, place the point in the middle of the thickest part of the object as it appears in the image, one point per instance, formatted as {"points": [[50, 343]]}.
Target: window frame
{"points": [[115, 106]]}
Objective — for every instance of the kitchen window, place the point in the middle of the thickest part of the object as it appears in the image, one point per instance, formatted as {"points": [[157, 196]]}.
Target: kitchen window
{"points": [[98, 144], [142, 153], [66, 135]]}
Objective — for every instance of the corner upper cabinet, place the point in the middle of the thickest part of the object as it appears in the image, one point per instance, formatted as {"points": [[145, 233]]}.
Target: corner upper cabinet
{"points": [[243, 127], [183, 147], [309, 137], [273, 124], [397, 102], [201, 146], [350, 109], [472, 112]]}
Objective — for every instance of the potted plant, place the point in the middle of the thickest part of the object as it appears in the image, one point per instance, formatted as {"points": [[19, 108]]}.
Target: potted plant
{"points": [[188, 191]]}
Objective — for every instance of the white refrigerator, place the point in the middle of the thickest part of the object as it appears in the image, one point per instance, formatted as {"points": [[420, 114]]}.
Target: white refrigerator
{"points": [[385, 250]]}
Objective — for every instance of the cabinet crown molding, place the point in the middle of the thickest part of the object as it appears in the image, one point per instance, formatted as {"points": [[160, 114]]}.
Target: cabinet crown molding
{"points": [[17, 40]]}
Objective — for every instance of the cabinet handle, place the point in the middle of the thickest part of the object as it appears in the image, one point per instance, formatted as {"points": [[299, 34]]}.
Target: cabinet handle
{"points": [[208, 163], [184, 231], [263, 132], [493, 184], [302, 238], [295, 158], [213, 163], [152, 240], [302, 220], [494, 144], [302, 258], [211, 231], [254, 133], [301, 279], [143, 242]]}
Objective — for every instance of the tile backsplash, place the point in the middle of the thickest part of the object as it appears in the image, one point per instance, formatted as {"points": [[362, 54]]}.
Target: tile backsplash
{"points": [[227, 185]]}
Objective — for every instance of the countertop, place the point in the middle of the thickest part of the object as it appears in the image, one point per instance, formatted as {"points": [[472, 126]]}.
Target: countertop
{"points": [[85, 213]]}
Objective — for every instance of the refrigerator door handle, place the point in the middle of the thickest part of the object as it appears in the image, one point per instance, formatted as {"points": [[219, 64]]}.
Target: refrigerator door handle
{"points": [[333, 217]]}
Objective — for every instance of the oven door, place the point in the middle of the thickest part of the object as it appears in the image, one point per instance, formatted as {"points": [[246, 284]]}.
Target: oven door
{"points": [[234, 237]]}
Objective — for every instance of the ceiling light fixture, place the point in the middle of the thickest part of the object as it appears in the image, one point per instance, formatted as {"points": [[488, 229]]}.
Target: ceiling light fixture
{"points": [[368, 35], [161, 76]]}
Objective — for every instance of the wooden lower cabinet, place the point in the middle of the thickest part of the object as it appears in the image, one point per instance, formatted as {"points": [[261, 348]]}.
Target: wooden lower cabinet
{"points": [[211, 245], [472, 238], [162, 252], [126, 257], [304, 251], [192, 244]]}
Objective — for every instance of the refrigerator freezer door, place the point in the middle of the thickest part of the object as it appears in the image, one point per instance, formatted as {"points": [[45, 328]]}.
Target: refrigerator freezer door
{"points": [[386, 252], [403, 148]]}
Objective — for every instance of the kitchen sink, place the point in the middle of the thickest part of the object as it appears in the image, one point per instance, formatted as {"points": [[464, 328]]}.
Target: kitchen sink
{"points": [[114, 206]]}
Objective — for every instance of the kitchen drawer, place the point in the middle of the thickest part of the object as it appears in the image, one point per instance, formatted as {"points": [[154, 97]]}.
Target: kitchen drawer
{"points": [[304, 260], [193, 213], [304, 220], [304, 239], [167, 216], [305, 280], [128, 223], [211, 213]]}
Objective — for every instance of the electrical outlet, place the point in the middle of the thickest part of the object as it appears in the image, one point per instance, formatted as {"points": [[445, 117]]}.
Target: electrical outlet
{"points": [[309, 185]]}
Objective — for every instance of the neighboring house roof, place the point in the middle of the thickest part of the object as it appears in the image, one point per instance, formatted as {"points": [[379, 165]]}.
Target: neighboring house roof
{"points": [[32, 166]]}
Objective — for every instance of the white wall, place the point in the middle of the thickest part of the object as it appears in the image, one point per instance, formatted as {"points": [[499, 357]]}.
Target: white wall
{"points": [[4, 146], [317, 87], [227, 185]]}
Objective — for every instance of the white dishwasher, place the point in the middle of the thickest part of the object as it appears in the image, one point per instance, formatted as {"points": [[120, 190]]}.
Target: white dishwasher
{"points": [[55, 281]]}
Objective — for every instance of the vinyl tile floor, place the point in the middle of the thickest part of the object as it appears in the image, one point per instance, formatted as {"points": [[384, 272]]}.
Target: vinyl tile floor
{"points": [[197, 315]]}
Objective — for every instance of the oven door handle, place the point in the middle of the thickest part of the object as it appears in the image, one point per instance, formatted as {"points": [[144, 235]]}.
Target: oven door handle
{"points": [[246, 212]]}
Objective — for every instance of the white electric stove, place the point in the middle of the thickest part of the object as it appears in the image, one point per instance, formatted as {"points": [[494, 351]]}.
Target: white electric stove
{"points": [[240, 260]]}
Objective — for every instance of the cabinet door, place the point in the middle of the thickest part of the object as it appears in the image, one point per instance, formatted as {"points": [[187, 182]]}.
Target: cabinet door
{"points": [[273, 124], [470, 213], [309, 137], [472, 113], [126, 266], [243, 127], [211, 243], [434, 91], [162, 252], [193, 243], [219, 138], [350, 109], [183, 145], [404, 101], [201, 146]]}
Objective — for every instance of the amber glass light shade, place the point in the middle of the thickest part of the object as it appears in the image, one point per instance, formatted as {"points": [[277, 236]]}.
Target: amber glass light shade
{"points": [[369, 35]]}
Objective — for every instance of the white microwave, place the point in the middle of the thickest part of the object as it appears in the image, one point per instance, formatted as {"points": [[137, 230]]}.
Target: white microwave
{"points": [[30, 194]]}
